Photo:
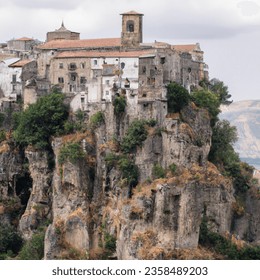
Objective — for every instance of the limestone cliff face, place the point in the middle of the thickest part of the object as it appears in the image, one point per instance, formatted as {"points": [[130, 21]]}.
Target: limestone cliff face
{"points": [[90, 208], [38, 206], [70, 206], [11, 171], [167, 214]]}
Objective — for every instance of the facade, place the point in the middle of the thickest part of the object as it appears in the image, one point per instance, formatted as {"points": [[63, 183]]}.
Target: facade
{"points": [[94, 71], [10, 82]]}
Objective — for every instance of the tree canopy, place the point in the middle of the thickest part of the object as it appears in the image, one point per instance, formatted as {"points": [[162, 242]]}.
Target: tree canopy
{"points": [[177, 97], [35, 125]]}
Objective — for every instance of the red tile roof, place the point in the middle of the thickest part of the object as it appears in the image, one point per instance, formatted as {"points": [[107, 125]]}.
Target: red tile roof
{"points": [[81, 44], [132, 13], [96, 54], [20, 63], [186, 48], [24, 39]]}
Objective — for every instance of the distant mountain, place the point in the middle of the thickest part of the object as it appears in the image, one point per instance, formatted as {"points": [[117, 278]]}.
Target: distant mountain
{"points": [[245, 115]]}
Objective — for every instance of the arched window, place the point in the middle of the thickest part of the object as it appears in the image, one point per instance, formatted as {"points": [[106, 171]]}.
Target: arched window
{"points": [[130, 26]]}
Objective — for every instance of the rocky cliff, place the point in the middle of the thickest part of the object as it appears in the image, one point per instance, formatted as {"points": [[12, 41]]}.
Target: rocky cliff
{"points": [[93, 205]]}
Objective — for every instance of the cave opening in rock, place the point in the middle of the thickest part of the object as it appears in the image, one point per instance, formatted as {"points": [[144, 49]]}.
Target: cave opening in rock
{"points": [[23, 187]]}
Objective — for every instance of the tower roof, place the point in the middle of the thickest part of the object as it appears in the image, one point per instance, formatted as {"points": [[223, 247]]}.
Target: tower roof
{"points": [[132, 13], [62, 28]]}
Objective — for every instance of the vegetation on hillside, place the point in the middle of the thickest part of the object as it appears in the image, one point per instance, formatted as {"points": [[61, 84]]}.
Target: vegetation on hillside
{"points": [[36, 124]]}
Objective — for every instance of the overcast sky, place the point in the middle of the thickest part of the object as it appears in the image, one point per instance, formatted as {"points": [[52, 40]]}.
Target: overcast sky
{"points": [[227, 30]]}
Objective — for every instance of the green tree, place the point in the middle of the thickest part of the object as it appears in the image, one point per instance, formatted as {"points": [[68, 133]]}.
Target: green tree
{"points": [[119, 105], [134, 137], [223, 137], [221, 90], [41, 120], [177, 97], [10, 240], [208, 100], [33, 249]]}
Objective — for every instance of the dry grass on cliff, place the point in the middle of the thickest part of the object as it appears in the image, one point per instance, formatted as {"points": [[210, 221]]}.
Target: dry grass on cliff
{"points": [[200, 253], [4, 148], [208, 174], [78, 137], [146, 242]]}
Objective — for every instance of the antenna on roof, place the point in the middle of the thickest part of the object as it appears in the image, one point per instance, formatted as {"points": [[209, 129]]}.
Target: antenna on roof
{"points": [[62, 23]]}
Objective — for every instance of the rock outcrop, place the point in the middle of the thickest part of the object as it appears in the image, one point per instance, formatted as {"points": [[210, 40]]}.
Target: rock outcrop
{"points": [[92, 211]]}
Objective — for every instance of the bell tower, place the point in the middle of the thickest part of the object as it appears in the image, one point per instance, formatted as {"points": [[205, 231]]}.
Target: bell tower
{"points": [[132, 29]]}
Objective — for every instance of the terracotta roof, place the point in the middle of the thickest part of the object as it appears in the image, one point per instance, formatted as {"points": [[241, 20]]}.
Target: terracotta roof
{"points": [[186, 48], [80, 44], [20, 63], [24, 39], [132, 13], [80, 54], [6, 56]]}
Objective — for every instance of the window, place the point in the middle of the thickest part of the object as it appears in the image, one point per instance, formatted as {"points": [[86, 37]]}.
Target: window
{"points": [[130, 26], [73, 77], [82, 100], [61, 65], [61, 80], [82, 65], [14, 78], [151, 81], [107, 92], [122, 65], [162, 60], [107, 82], [143, 69], [95, 62], [72, 66], [83, 80]]}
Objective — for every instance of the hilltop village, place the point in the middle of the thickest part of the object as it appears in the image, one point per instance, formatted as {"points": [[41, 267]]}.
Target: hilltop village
{"points": [[90, 72], [120, 154]]}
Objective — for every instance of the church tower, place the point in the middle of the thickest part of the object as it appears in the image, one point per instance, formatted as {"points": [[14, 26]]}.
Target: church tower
{"points": [[132, 29]]}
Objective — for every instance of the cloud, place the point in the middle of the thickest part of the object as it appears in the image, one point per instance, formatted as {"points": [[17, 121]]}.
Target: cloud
{"points": [[249, 8], [45, 4]]}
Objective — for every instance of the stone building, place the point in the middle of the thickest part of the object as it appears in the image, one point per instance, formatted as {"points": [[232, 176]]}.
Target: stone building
{"points": [[95, 70], [62, 34]]}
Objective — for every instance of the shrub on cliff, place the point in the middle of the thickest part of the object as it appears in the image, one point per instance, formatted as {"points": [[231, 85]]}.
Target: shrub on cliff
{"points": [[208, 100], [97, 119], [71, 152], [135, 135], [177, 97], [33, 249], [119, 105], [40, 121], [10, 241]]}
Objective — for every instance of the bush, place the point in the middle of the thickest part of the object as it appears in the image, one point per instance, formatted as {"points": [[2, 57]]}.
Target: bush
{"points": [[129, 171], [2, 135], [119, 104], [208, 100], [10, 240], [224, 246], [134, 137], [111, 160], [177, 97], [97, 119], [158, 171], [70, 152], [40, 121], [33, 249], [173, 168]]}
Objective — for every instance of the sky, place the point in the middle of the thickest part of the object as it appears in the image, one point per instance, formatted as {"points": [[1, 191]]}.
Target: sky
{"points": [[228, 30]]}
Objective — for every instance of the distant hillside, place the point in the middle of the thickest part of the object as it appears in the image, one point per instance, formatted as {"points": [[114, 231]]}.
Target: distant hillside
{"points": [[245, 115]]}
